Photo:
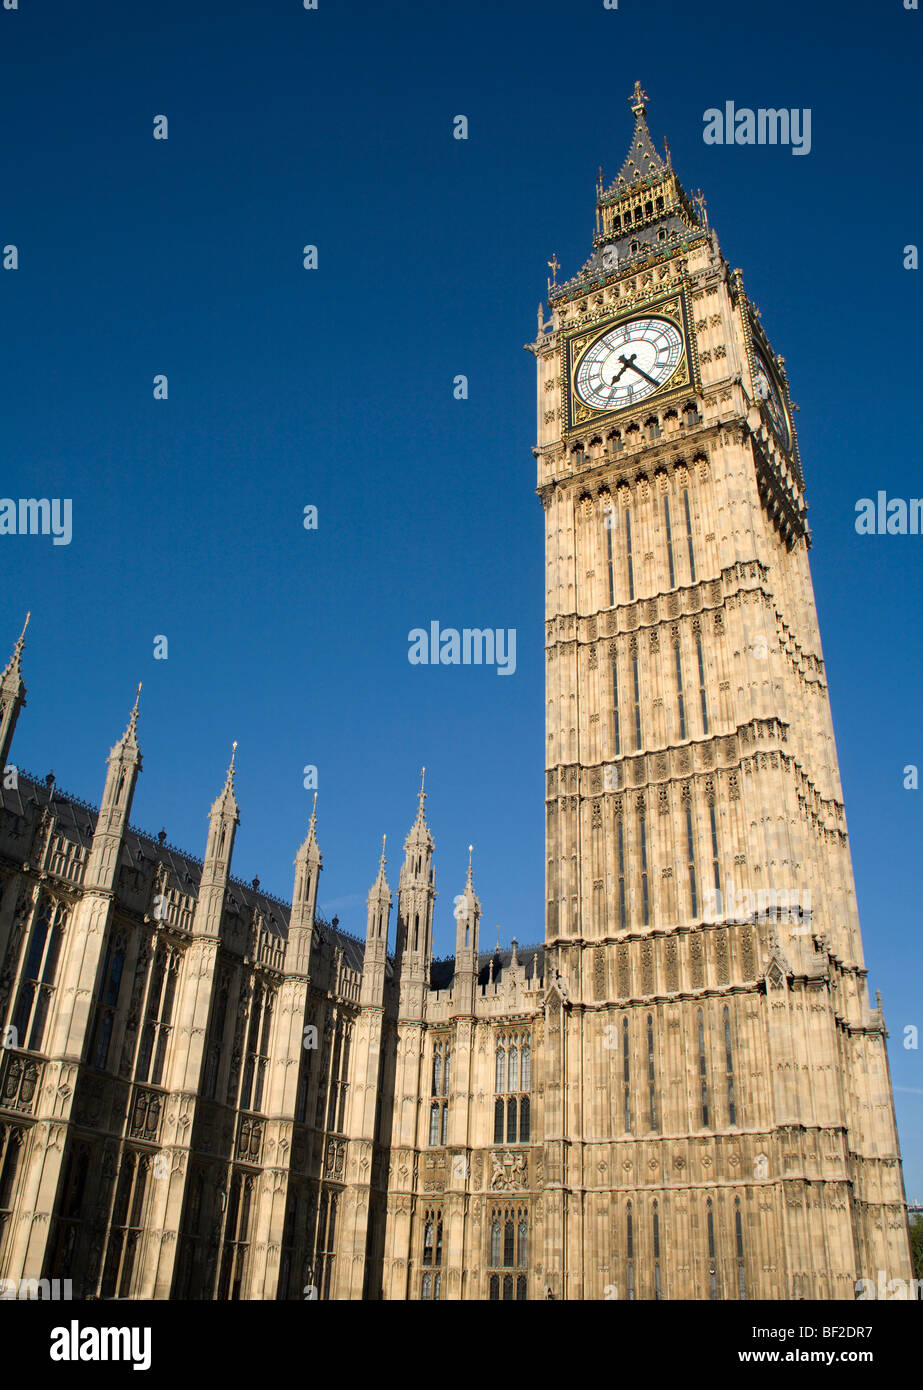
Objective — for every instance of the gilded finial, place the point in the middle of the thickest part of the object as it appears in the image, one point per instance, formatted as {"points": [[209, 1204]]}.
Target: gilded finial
{"points": [[637, 99], [555, 265]]}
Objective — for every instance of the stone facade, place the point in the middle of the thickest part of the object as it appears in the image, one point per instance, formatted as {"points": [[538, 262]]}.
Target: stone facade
{"points": [[207, 1093]]}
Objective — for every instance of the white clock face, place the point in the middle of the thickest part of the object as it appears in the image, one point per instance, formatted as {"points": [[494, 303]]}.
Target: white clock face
{"points": [[768, 392], [629, 363]]}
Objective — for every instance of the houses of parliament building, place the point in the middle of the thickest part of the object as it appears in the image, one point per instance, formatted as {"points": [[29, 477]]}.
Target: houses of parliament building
{"points": [[683, 1093]]}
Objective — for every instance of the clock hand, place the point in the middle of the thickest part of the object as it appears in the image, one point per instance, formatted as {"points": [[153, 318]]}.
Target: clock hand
{"points": [[622, 372], [640, 370]]}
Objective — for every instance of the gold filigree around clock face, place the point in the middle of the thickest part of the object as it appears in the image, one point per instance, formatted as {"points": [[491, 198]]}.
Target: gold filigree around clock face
{"points": [[764, 383], [629, 363]]}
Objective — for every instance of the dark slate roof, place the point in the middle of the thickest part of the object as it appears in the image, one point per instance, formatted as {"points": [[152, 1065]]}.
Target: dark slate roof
{"points": [[642, 161], [76, 820], [442, 972]]}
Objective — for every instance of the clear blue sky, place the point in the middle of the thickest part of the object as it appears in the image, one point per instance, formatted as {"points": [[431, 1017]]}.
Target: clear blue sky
{"points": [[334, 387]]}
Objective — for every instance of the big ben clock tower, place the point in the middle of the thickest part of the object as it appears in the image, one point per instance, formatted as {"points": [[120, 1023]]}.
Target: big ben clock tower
{"points": [[718, 1116]]}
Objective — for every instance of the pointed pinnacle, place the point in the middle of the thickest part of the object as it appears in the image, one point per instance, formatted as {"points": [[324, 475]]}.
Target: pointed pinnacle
{"points": [[229, 779], [131, 730], [381, 862], [13, 665]]}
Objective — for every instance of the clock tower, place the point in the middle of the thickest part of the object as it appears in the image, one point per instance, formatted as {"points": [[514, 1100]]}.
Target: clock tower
{"points": [[718, 1116]]}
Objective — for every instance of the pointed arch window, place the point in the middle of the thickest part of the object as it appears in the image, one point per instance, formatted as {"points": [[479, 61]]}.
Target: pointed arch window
{"points": [[690, 863], [157, 1027], [10, 1149], [616, 726], [703, 1069], [125, 1227], [669, 535], [680, 698], [620, 838], [106, 1000], [236, 1244], [729, 1065], [645, 890], [651, 1086], [703, 694], [636, 684], [522, 1244], [712, 1267], [688, 513], [256, 1066], [513, 1081], [499, 1111], [739, 1247], [33, 1002], [713, 821], [509, 1251], [439, 1111], [626, 1075]]}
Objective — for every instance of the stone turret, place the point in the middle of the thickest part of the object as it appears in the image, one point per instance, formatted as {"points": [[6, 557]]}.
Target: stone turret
{"points": [[124, 764], [467, 919], [308, 865], [416, 897], [223, 819]]}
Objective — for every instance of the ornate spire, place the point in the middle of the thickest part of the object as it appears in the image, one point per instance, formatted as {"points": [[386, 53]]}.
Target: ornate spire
{"points": [[419, 836], [128, 743], [381, 882], [642, 161], [310, 850], [13, 666], [226, 803], [637, 100], [467, 905]]}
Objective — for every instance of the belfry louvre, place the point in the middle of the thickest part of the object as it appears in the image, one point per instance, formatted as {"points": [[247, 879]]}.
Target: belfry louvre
{"points": [[683, 1093]]}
